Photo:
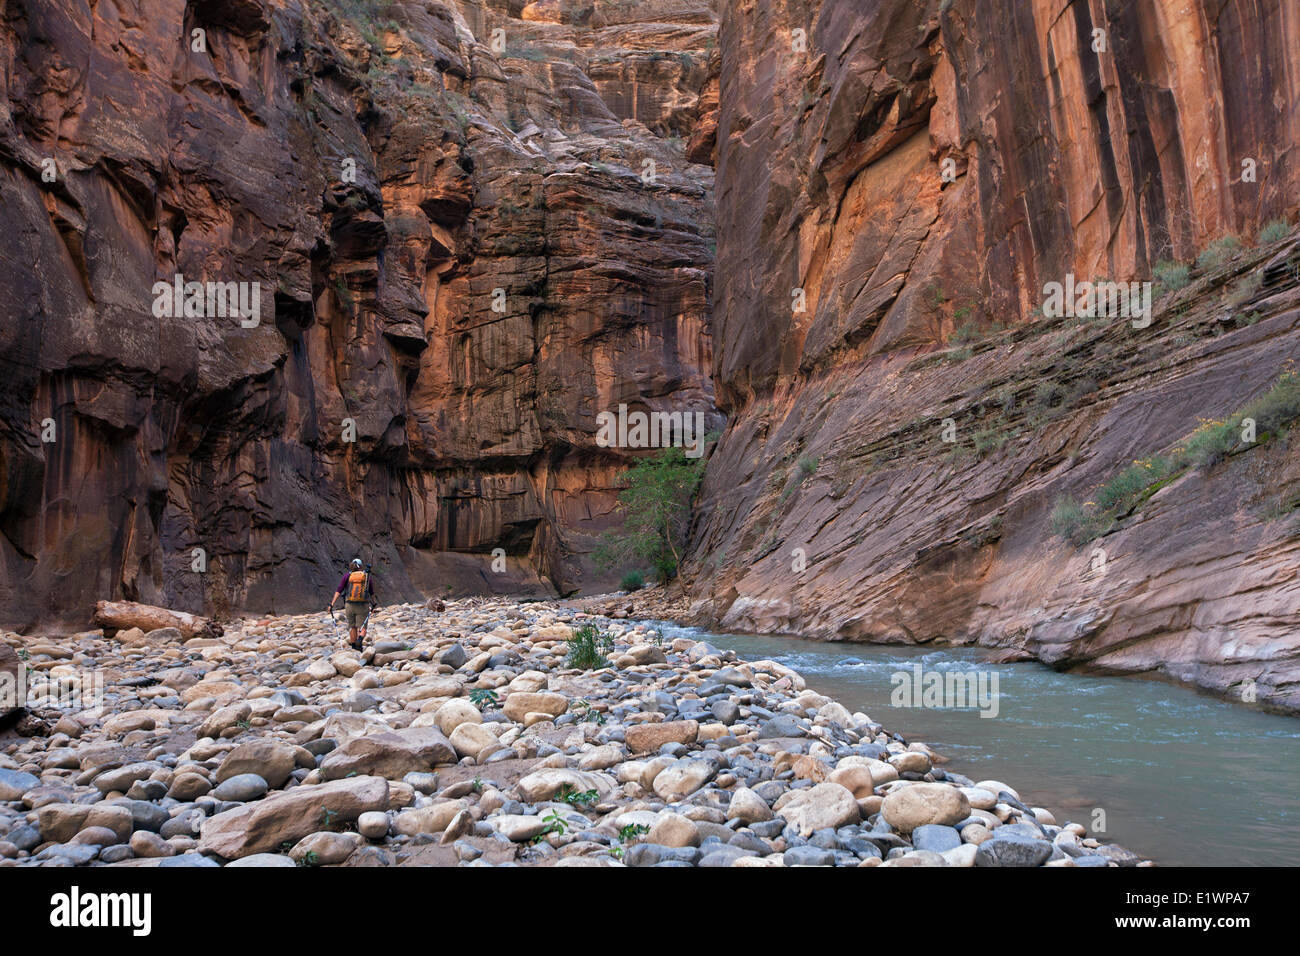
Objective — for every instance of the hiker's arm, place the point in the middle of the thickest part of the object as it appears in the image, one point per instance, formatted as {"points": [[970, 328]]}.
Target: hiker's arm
{"points": [[335, 597]]}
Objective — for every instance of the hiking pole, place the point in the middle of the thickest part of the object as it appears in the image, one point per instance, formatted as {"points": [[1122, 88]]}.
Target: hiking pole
{"points": [[361, 632]]}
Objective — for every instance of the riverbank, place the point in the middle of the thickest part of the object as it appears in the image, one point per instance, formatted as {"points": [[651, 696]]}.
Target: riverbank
{"points": [[460, 736]]}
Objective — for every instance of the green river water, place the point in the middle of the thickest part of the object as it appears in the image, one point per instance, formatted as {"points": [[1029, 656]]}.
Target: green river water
{"points": [[1182, 778]]}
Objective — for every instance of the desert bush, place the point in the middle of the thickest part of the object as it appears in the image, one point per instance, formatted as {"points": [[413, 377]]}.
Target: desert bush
{"points": [[1273, 231], [1171, 276], [1218, 253]]}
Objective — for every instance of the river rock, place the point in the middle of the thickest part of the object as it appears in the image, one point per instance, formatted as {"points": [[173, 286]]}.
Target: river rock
{"points": [[224, 718], [518, 827], [15, 783], [819, 807], [60, 822], [391, 754], [290, 815], [263, 859], [673, 829], [748, 807], [683, 778], [940, 839], [323, 848], [121, 778], [1012, 851], [188, 786], [648, 738], [471, 740], [430, 819], [373, 825], [544, 784], [454, 713], [917, 804], [242, 788], [517, 706], [269, 759]]}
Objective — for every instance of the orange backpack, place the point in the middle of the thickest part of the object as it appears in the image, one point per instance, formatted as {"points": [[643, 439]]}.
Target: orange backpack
{"points": [[357, 586]]}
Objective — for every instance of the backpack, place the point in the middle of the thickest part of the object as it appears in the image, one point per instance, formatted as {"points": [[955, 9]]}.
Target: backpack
{"points": [[357, 582]]}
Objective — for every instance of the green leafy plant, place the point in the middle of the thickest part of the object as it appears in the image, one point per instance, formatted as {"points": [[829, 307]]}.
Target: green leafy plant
{"points": [[554, 824], [482, 698], [656, 508], [632, 581], [587, 647], [575, 798], [586, 713], [630, 832]]}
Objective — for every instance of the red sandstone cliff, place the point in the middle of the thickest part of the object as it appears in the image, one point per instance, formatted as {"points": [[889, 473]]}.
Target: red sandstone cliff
{"points": [[1069, 154], [381, 169]]}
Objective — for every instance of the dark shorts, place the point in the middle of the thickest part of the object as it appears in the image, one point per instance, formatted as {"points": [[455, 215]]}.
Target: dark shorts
{"points": [[354, 612]]}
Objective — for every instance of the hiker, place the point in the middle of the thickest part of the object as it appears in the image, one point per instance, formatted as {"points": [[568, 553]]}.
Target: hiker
{"points": [[358, 602]]}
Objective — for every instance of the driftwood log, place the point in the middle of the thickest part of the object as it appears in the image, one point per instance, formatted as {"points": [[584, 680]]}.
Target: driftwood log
{"points": [[120, 615]]}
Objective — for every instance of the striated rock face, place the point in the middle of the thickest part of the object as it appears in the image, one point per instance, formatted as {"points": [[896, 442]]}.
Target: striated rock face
{"points": [[473, 226], [905, 174]]}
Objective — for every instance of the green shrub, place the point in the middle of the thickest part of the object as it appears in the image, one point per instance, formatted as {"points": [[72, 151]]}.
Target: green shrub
{"points": [[1047, 393], [808, 466], [989, 440], [1273, 231], [1072, 522], [966, 333], [1273, 412], [587, 647], [656, 510], [1121, 492], [1211, 443], [1276, 409], [1171, 276], [632, 581], [1218, 253]]}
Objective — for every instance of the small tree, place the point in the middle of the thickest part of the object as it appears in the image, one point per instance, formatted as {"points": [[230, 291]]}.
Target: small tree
{"points": [[656, 506]]}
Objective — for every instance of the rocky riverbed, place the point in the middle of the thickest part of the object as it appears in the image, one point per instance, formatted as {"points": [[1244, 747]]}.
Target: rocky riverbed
{"points": [[461, 737]]}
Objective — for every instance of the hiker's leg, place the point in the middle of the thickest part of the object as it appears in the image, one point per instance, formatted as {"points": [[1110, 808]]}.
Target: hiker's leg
{"points": [[352, 635]]}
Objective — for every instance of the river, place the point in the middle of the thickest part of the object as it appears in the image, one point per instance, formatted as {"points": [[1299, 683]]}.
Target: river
{"points": [[1182, 778]]}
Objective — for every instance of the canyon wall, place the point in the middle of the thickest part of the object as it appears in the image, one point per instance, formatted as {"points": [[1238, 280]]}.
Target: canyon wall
{"points": [[896, 184], [473, 227]]}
